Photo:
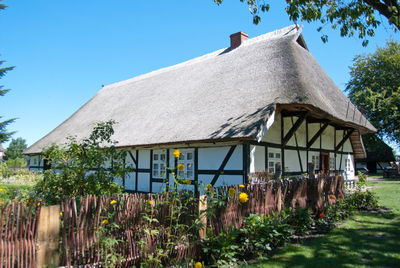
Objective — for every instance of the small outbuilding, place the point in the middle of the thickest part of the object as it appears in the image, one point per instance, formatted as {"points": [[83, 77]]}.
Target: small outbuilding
{"points": [[259, 104], [379, 155]]}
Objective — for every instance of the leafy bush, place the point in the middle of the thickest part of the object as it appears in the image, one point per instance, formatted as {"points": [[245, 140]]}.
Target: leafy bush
{"points": [[362, 200], [18, 162], [83, 168], [301, 219]]}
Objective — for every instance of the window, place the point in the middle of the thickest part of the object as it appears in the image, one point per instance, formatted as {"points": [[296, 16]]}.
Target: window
{"points": [[332, 163], [315, 161], [159, 163], [273, 158], [347, 165], [187, 159]]}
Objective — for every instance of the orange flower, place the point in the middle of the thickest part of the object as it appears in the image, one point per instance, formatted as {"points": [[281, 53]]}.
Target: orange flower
{"points": [[341, 196], [322, 215], [332, 196], [188, 182]]}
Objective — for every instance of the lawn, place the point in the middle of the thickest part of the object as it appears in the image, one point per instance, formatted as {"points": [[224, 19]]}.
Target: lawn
{"points": [[365, 240]]}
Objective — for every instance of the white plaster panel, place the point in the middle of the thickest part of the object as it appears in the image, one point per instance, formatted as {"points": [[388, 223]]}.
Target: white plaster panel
{"points": [[143, 182], [129, 161], [300, 132], [273, 135], [257, 158], [144, 158], [159, 187], [312, 130], [229, 180], [130, 181], [301, 135], [236, 160], [212, 157], [291, 161], [204, 180], [328, 138], [347, 146], [118, 181]]}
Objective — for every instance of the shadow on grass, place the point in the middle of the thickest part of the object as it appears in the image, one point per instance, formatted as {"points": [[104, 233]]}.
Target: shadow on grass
{"points": [[365, 244]]}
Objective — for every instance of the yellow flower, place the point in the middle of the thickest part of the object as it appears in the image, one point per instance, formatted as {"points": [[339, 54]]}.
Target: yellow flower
{"points": [[231, 191], [1, 189], [188, 182], [151, 202], [60, 213], [99, 227], [104, 222], [113, 202], [173, 173], [177, 153], [243, 198], [38, 203], [209, 186], [181, 167], [241, 186], [198, 265]]}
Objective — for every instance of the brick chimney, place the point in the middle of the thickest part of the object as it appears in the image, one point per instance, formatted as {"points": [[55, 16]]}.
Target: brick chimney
{"points": [[238, 38]]}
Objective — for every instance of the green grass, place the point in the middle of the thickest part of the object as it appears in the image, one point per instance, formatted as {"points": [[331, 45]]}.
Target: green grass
{"points": [[365, 240]]}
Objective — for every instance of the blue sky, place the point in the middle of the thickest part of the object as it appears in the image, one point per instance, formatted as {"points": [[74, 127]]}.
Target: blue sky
{"points": [[64, 51]]}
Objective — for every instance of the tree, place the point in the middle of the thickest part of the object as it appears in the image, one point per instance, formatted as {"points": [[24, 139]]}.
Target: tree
{"points": [[374, 87], [4, 134], [83, 168], [15, 148], [351, 16]]}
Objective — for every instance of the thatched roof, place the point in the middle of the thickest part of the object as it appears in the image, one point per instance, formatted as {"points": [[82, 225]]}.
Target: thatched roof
{"points": [[227, 94]]}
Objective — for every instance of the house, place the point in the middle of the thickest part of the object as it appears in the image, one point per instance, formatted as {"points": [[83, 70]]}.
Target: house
{"points": [[2, 153], [258, 103], [379, 155]]}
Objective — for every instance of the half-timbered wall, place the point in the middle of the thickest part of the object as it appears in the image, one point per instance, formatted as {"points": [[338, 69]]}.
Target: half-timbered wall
{"points": [[294, 140]]}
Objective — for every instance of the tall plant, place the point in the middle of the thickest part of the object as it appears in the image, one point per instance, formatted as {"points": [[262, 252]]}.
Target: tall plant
{"points": [[82, 168]]}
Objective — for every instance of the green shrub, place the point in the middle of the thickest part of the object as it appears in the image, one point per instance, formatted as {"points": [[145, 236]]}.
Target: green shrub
{"points": [[18, 162], [301, 219], [80, 168], [362, 200]]}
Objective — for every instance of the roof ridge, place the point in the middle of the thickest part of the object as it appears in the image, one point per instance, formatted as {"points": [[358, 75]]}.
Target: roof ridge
{"points": [[267, 36]]}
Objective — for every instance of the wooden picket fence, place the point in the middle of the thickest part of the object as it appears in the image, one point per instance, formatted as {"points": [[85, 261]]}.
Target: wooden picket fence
{"points": [[18, 229], [81, 222]]}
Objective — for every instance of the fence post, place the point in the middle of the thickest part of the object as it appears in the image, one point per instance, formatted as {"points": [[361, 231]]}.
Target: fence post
{"points": [[279, 201], [203, 215], [48, 237]]}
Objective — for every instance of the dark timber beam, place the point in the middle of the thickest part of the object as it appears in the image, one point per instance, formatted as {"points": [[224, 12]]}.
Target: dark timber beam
{"points": [[294, 128], [345, 138], [133, 158], [223, 164], [317, 135], [292, 113]]}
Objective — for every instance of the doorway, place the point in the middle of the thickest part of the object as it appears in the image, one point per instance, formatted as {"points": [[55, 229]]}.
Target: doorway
{"points": [[325, 163]]}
